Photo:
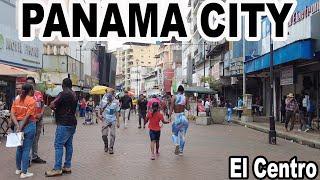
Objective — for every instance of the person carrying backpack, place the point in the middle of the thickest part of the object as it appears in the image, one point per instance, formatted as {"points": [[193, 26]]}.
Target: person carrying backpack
{"points": [[310, 111]]}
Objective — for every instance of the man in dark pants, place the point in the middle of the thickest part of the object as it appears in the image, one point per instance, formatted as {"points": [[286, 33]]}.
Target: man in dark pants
{"points": [[142, 110], [39, 111], [65, 109]]}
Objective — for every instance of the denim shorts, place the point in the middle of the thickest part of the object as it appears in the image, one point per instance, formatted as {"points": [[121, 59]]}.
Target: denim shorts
{"points": [[154, 135]]}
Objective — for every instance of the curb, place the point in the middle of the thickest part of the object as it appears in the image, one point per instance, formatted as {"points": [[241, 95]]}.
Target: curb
{"points": [[283, 135]]}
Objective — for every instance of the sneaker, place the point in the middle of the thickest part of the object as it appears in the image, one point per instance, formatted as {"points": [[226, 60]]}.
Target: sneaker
{"points": [[106, 149], [111, 151], [26, 175], [66, 170], [180, 153], [18, 172], [38, 160], [307, 130], [53, 172], [153, 157], [176, 151], [139, 127], [299, 130]]}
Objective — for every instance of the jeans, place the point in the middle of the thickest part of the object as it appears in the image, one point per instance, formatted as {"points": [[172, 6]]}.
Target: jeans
{"points": [[179, 130], [23, 152], [64, 137], [34, 151], [105, 133], [229, 114], [125, 113], [309, 121], [82, 112]]}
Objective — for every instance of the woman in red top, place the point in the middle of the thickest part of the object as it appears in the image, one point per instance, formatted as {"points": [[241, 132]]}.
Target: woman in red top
{"points": [[154, 119]]}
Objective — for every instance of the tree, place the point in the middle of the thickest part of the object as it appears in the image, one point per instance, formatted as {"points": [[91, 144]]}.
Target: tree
{"points": [[213, 83]]}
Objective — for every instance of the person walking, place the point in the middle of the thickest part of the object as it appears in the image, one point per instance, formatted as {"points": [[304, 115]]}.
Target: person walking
{"points": [[240, 107], [126, 104], [291, 109], [64, 105], [83, 106], [229, 111], [109, 117], [38, 97], [179, 103], [154, 118], [134, 104], [23, 112], [142, 110], [310, 111], [207, 106]]}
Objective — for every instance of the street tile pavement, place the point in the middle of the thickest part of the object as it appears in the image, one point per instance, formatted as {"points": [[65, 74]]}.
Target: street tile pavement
{"points": [[205, 157]]}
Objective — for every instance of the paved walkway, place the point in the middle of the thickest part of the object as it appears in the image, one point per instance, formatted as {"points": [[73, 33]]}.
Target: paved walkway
{"points": [[310, 138], [206, 153]]}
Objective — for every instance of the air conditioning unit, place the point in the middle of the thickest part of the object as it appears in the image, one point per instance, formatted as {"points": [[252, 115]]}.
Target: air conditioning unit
{"points": [[234, 80]]}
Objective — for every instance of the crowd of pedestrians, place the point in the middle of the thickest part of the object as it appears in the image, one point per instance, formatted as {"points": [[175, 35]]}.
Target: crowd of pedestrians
{"points": [[27, 116]]}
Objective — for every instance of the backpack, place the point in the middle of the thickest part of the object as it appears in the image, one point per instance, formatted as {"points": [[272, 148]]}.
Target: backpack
{"points": [[311, 107]]}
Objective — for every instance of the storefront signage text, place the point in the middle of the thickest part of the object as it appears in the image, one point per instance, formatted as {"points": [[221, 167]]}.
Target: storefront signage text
{"points": [[286, 77], [308, 11], [19, 47]]}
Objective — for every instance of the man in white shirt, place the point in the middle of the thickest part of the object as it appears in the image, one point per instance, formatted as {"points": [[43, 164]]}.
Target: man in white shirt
{"points": [[207, 106]]}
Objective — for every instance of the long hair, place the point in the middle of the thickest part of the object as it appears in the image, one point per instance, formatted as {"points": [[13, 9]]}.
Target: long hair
{"points": [[155, 108], [26, 89]]}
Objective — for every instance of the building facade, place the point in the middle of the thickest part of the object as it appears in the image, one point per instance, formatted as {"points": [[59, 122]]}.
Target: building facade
{"points": [[296, 60]]}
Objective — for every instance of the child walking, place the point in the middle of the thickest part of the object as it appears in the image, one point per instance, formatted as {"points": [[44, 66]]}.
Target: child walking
{"points": [[154, 119]]}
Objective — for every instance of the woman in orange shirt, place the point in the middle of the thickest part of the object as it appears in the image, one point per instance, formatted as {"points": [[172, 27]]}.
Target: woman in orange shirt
{"points": [[23, 116]]}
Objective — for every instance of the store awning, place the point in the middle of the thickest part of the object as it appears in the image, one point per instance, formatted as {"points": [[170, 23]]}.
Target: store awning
{"points": [[299, 50], [6, 70]]}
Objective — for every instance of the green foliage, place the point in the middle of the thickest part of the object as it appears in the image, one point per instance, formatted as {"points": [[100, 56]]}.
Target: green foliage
{"points": [[213, 84]]}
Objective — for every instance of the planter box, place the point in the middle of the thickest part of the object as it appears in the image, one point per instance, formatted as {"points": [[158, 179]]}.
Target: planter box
{"points": [[218, 114], [203, 120]]}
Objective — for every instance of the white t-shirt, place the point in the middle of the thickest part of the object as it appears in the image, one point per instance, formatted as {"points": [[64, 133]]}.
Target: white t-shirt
{"points": [[207, 105]]}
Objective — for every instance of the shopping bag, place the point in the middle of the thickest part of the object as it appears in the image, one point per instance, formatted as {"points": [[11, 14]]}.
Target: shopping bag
{"points": [[14, 139]]}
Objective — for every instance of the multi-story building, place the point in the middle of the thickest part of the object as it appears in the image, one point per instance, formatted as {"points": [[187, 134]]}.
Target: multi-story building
{"points": [[296, 60], [15, 53], [136, 61]]}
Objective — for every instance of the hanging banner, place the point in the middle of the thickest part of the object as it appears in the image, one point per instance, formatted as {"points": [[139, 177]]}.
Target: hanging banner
{"points": [[286, 76]]}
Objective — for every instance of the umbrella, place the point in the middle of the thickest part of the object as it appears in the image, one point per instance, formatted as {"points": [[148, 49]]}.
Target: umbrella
{"points": [[53, 92], [100, 90], [199, 89]]}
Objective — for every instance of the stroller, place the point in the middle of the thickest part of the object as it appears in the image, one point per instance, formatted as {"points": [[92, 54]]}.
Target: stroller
{"points": [[88, 116]]}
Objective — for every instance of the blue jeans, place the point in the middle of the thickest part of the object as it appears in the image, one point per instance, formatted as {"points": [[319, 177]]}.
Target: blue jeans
{"points": [[23, 152], [64, 138], [229, 114], [179, 130]]}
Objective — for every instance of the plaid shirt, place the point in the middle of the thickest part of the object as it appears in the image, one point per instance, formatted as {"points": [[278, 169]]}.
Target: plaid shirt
{"points": [[292, 105]]}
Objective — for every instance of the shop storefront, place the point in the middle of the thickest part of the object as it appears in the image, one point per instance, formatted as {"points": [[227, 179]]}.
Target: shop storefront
{"points": [[7, 90], [296, 61]]}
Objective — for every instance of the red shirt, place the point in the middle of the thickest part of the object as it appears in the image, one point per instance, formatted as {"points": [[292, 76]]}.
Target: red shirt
{"points": [[154, 120], [38, 97]]}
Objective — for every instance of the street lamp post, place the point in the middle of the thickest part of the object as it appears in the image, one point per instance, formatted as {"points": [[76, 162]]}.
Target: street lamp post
{"points": [[204, 64], [137, 78], [80, 71], [272, 131]]}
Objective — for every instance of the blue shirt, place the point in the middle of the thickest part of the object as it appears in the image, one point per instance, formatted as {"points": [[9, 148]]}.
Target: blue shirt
{"points": [[109, 110]]}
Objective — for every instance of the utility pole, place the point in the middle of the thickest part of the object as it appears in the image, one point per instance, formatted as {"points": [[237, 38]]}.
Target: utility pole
{"points": [[204, 63], [272, 131], [137, 78], [243, 58]]}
